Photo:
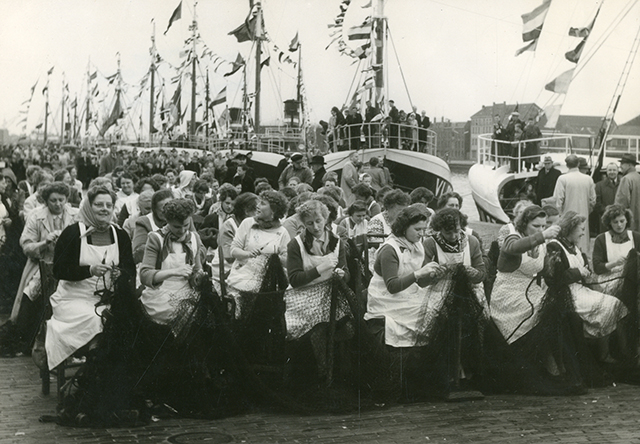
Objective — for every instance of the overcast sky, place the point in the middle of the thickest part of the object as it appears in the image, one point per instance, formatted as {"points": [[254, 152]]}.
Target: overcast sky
{"points": [[457, 55]]}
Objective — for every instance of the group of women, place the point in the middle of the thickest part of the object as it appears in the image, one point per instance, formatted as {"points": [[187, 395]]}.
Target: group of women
{"points": [[203, 330]]}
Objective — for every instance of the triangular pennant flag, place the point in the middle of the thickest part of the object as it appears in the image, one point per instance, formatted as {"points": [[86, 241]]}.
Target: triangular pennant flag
{"points": [[177, 15], [220, 98], [250, 29], [574, 55], [116, 113], [265, 62], [295, 44], [239, 63], [93, 76], [561, 83], [553, 114], [531, 46], [50, 71]]}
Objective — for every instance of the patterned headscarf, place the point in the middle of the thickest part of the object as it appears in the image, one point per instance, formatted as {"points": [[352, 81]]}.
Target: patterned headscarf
{"points": [[88, 217], [169, 238]]}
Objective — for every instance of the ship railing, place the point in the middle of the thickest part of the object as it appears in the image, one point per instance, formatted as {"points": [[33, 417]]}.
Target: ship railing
{"points": [[524, 155], [380, 134]]}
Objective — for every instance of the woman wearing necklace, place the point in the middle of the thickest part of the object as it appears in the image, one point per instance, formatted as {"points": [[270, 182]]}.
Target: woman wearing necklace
{"points": [[85, 256], [611, 248], [568, 269]]}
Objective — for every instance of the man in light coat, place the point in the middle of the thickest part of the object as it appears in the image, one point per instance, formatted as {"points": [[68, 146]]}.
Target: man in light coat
{"points": [[575, 191], [350, 178], [628, 194]]}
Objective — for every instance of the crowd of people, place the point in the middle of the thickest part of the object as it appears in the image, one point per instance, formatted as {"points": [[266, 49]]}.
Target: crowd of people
{"points": [[516, 130], [348, 129], [201, 293]]}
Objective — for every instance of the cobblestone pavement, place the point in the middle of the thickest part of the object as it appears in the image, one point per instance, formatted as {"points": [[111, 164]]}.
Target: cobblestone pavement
{"points": [[608, 415]]}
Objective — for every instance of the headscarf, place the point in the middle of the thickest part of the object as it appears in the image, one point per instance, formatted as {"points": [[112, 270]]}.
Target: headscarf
{"points": [[88, 217], [185, 177], [168, 238], [451, 247]]}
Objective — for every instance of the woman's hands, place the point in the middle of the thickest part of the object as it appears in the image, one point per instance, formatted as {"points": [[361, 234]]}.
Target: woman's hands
{"points": [[551, 232], [328, 264], [616, 265], [99, 270], [430, 270], [183, 271]]}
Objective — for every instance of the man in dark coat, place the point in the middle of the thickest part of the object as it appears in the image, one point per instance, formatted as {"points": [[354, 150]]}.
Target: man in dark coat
{"points": [[354, 122], [606, 193], [317, 165], [547, 178], [531, 149], [394, 115]]}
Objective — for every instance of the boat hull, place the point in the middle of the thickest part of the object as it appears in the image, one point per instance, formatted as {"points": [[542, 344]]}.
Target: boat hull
{"points": [[409, 169]]}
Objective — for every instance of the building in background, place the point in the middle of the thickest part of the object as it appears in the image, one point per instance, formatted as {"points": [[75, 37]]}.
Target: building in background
{"points": [[453, 139]]}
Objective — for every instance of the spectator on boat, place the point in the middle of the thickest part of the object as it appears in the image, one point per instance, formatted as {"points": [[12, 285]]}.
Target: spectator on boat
{"points": [[370, 129], [317, 165], [110, 161], [423, 134], [86, 255], [547, 178], [611, 248], [531, 149], [150, 222], [499, 134], [628, 194], [336, 124], [394, 119], [354, 124], [606, 193], [576, 191], [378, 176], [350, 178], [412, 123], [296, 169]]}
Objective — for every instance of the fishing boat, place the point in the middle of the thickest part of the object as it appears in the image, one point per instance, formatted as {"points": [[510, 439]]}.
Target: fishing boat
{"points": [[408, 151], [505, 172]]}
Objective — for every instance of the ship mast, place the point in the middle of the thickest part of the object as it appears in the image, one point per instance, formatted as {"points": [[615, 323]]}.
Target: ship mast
{"points": [[62, 113], [88, 118], [152, 91], [46, 111], [379, 29], [194, 28], [258, 38], [207, 100]]}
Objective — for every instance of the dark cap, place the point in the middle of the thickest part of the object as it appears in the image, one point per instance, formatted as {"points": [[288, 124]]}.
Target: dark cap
{"points": [[628, 158], [319, 160], [582, 162], [240, 156], [296, 157]]}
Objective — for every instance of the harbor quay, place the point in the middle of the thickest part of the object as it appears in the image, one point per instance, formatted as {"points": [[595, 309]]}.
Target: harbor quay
{"points": [[603, 415]]}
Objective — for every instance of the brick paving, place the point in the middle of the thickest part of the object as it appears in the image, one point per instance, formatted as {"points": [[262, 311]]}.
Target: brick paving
{"points": [[607, 415]]}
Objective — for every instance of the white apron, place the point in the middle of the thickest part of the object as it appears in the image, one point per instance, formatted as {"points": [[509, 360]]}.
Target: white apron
{"points": [[154, 227], [76, 320], [401, 311], [511, 311], [215, 262], [614, 253], [162, 301], [600, 312], [305, 309]]}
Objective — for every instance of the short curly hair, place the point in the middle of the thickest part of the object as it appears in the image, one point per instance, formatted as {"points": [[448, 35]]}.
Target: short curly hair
{"points": [[139, 185], [311, 208], [332, 176], [613, 212], [226, 191], [448, 219], [528, 214], [331, 205], [568, 222], [442, 200], [55, 187], [396, 198], [362, 190], [421, 195], [277, 201], [97, 190], [178, 209], [201, 187], [244, 203], [407, 217]]}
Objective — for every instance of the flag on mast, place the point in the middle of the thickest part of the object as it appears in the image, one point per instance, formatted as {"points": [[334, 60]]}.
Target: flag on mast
{"points": [[220, 98], [239, 63], [295, 44], [177, 15], [532, 23]]}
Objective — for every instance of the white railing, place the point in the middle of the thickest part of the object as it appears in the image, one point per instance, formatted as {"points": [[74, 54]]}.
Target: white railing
{"points": [[382, 135]]}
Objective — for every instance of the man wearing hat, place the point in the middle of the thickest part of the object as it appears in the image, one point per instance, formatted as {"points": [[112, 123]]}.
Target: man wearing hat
{"points": [[547, 178], [576, 191], [606, 193], [295, 169], [317, 165], [628, 194]]}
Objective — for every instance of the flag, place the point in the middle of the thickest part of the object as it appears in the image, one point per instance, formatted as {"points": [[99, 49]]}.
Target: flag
{"points": [[177, 15], [116, 113], [361, 32], [265, 62], [239, 63], [74, 103], [250, 29], [50, 71], [561, 83], [553, 114], [295, 44], [574, 55], [93, 76], [39, 125], [531, 46], [45, 89], [112, 77], [220, 98], [533, 21], [579, 32], [368, 5]]}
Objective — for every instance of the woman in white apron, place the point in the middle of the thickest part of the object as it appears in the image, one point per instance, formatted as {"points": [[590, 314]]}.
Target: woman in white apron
{"points": [[312, 258], [396, 300], [172, 260], [611, 248], [244, 206], [150, 222], [256, 239], [599, 312], [85, 256]]}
